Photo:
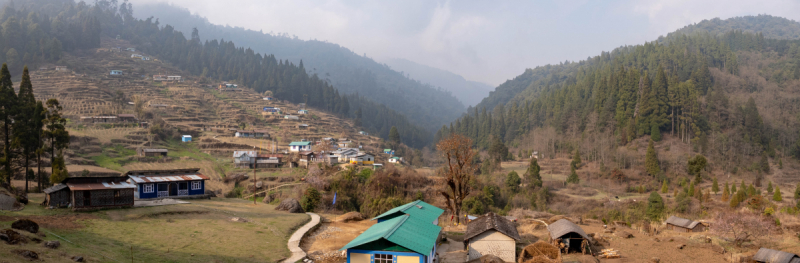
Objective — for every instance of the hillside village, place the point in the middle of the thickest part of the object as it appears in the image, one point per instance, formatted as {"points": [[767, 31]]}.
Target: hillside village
{"points": [[136, 158]]}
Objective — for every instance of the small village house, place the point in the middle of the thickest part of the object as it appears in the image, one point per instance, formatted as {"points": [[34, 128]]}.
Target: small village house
{"points": [[302, 112], [307, 157], [267, 98], [116, 73], [228, 87], [145, 58], [131, 49], [345, 154], [291, 117], [244, 159], [568, 236], [186, 138], [151, 152], [174, 78], [404, 234], [269, 160], [175, 183], [126, 118], [376, 166], [344, 143], [388, 151], [62, 68], [684, 225], [251, 134], [363, 133], [90, 193], [766, 255], [299, 146], [159, 77], [136, 56], [491, 234], [302, 126], [363, 159], [395, 159]]}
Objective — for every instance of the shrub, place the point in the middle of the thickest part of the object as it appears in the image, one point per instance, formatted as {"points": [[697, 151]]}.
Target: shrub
{"points": [[310, 199], [769, 211], [655, 206]]}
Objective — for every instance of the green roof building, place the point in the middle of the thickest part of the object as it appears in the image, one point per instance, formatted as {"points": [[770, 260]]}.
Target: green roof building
{"points": [[299, 146], [405, 234]]}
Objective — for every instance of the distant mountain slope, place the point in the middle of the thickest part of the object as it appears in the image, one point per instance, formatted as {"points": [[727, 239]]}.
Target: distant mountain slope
{"points": [[770, 26], [348, 72], [468, 92]]}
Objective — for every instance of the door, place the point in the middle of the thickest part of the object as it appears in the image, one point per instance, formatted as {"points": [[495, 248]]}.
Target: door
{"points": [[87, 198], [173, 189]]}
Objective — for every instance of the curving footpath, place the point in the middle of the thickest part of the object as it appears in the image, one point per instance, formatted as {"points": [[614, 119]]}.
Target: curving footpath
{"points": [[294, 241]]}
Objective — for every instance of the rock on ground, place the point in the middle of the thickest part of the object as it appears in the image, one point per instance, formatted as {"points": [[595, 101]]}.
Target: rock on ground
{"points": [[351, 216], [30, 255], [77, 259], [290, 205], [52, 244], [12, 237], [26, 224]]}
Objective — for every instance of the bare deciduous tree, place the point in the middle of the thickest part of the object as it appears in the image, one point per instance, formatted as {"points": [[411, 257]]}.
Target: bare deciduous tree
{"points": [[741, 227], [457, 153]]}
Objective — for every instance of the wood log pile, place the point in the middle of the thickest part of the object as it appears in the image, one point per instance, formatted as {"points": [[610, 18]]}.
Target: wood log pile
{"points": [[609, 253]]}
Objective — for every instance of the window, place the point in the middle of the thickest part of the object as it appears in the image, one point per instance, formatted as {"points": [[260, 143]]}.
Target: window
{"points": [[195, 185], [148, 188], [383, 258]]}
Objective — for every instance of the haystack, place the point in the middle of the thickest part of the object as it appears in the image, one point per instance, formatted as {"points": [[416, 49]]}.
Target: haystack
{"points": [[351, 216], [290, 205], [487, 259], [539, 251]]}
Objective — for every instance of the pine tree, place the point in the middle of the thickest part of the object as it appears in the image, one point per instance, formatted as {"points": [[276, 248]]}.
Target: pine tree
{"points": [[797, 192], [532, 174], [24, 123], [394, 135], [751, 190], [59, 170], [573, 177], [743, 187], [651, 160], [715, 186], [726, 193], [8, 100], [576, 160], [777, 196], [764, 163], [664, 187], [655, 133], [691, 189], [769, 187], [655, 206]]}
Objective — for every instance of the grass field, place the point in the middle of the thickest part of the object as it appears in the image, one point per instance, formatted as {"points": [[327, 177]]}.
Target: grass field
{"points": [[198, 232]]}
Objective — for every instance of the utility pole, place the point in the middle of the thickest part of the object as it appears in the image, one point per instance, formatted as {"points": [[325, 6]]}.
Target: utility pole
{"points": [[255, 163]]}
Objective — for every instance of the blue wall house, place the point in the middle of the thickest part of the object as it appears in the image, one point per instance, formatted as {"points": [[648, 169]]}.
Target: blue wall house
{"points": [[176, 183], [186, 138], [405, 234], [116, 72]]}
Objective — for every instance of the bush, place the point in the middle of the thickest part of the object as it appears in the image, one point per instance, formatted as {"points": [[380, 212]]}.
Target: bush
{"points": [[655, 206], [769, 211], [310, 199]]}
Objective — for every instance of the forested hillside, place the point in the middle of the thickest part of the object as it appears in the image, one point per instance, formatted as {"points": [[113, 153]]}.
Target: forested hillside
{"points": [[349, 72], [770, 26], [63, 25], [714, 93], [468, 92]]}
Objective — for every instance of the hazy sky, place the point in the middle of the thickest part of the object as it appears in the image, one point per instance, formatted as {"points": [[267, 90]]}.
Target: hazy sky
{"points": [[487, 41]]}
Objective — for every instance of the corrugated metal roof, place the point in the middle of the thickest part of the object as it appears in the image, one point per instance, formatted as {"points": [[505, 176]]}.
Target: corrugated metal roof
{"points": [[99, 186], [563, 227], [417, 209], [774, 256], [237, 154], [54, 188], [299, 143], [167, 178], [405, 231], [681, 222]]}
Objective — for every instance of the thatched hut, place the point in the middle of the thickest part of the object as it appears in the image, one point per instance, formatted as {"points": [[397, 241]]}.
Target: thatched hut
{"points": [[766, 255], [568, 236]]}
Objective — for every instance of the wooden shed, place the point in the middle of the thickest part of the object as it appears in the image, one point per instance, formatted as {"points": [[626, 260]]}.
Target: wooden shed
{"points": [[57, 196], [491, 234], [89, 193], [568, 237], [151, 152], [684, 225], [766, 255]]}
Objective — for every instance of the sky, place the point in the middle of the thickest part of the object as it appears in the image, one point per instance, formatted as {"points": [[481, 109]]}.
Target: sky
{"points": [[486, 41]]}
